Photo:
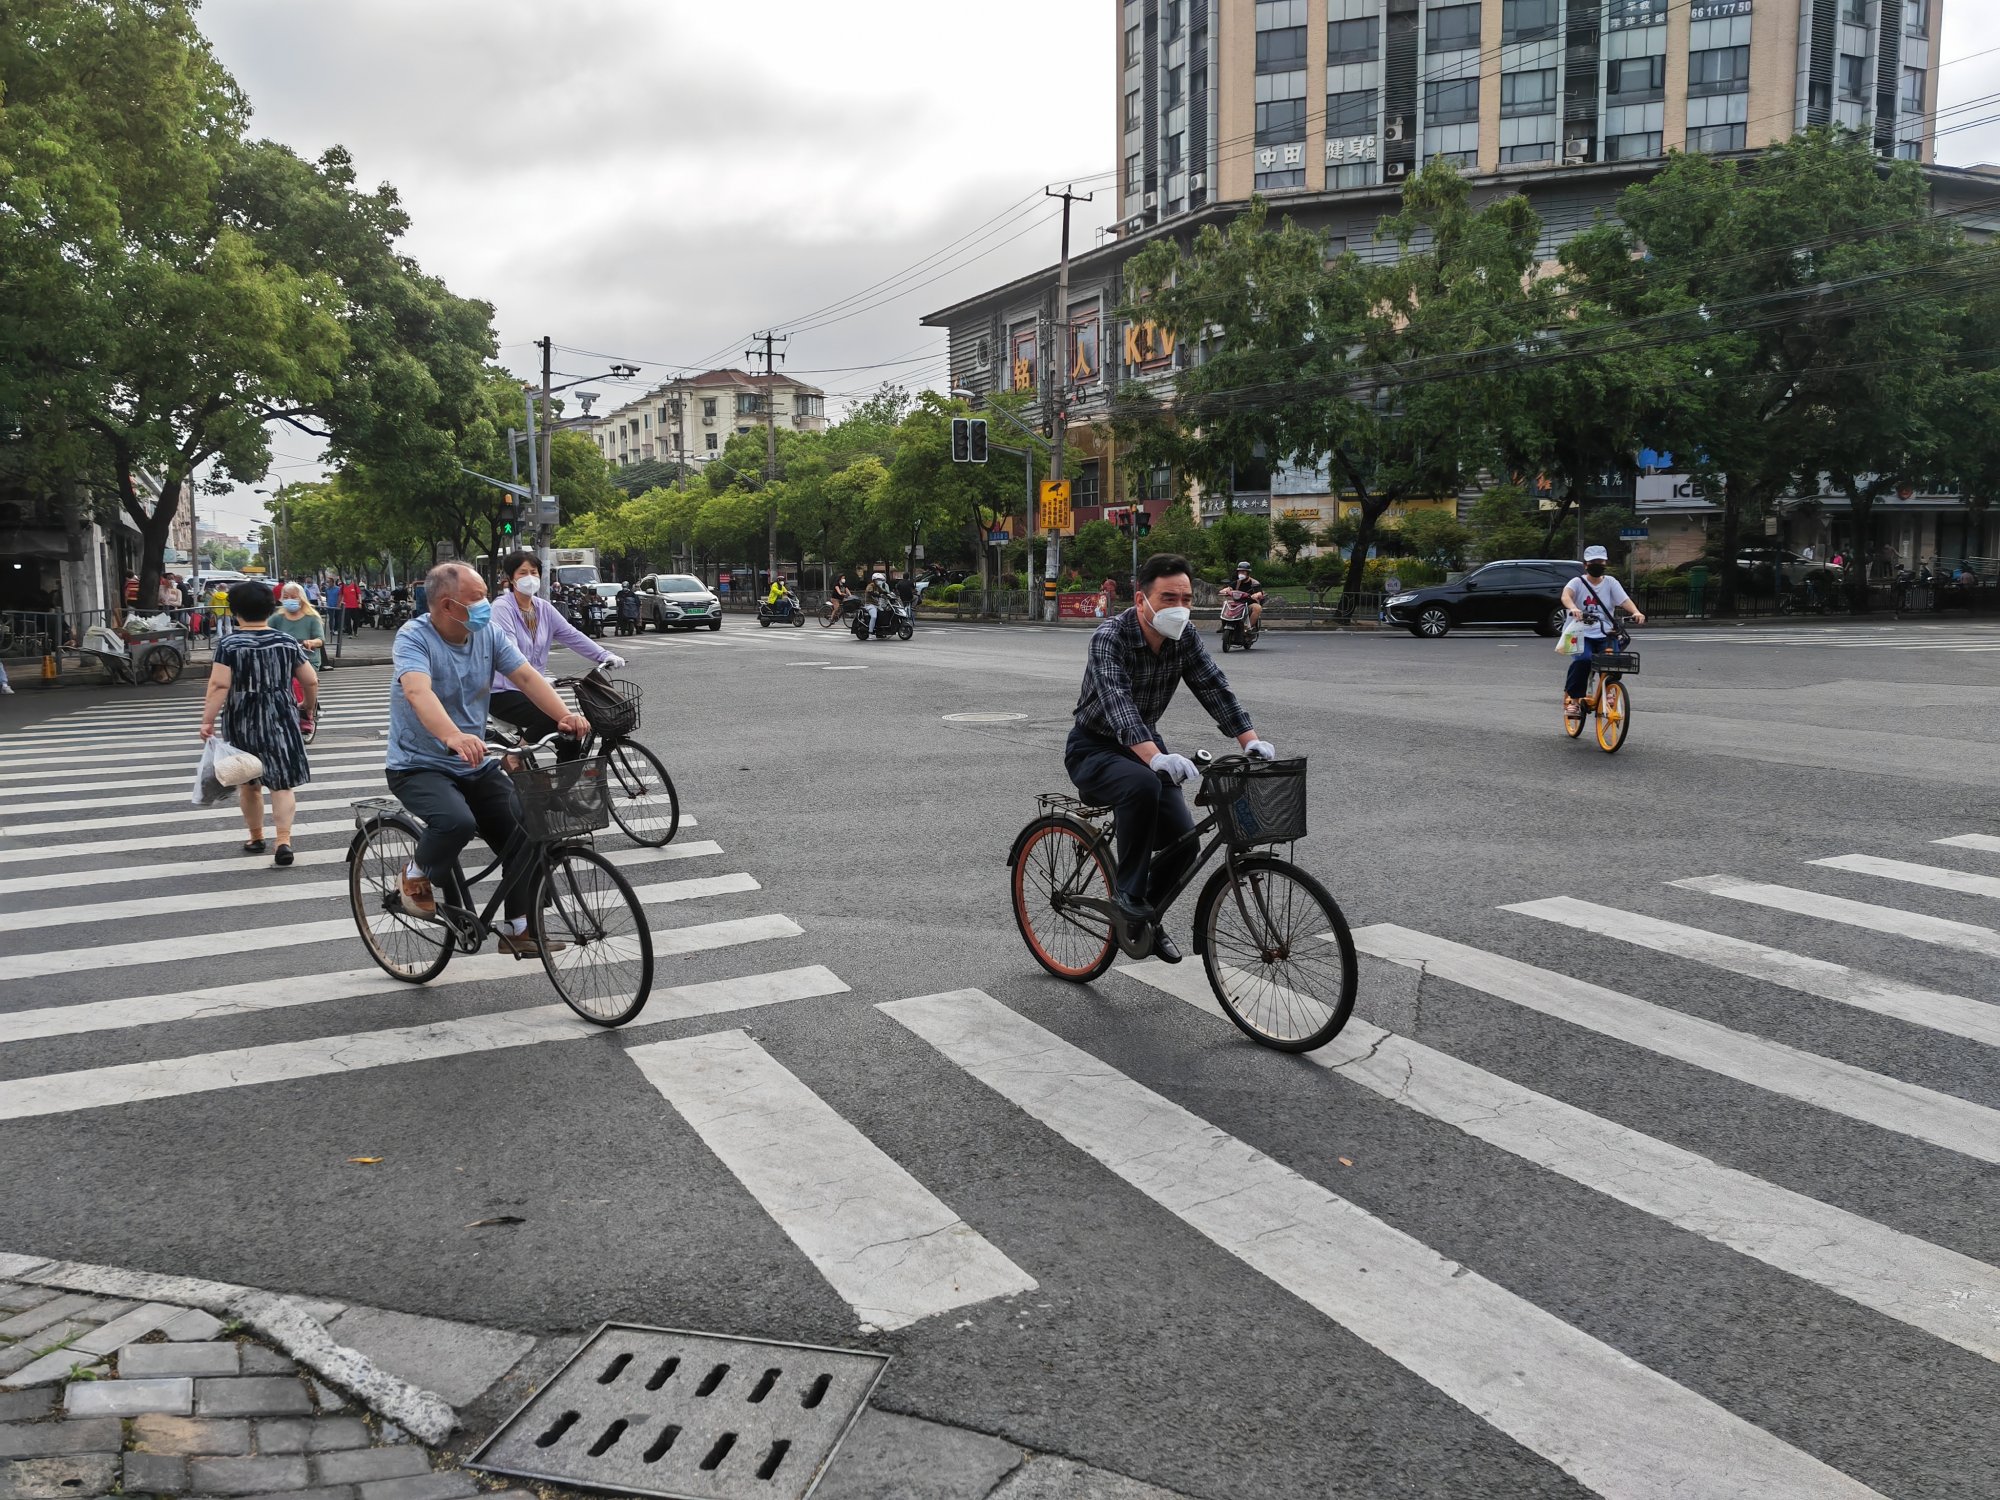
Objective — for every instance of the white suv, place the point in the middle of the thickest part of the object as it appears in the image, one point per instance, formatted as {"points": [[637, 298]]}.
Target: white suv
{"points": [[674, 599]]}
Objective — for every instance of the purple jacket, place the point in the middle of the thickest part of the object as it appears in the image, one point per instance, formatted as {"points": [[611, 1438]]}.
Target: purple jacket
{"points": [[551, 629]]}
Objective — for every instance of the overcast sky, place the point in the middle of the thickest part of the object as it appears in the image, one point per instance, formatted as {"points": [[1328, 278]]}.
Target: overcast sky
{"points": [[654, 180]]}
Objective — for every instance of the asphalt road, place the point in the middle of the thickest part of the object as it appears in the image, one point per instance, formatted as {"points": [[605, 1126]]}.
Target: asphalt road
{"points": [[1707, 1249]]}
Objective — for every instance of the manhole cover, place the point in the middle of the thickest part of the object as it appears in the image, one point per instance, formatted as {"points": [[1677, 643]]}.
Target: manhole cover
{"points": [[982, 718], [687, 1416]]}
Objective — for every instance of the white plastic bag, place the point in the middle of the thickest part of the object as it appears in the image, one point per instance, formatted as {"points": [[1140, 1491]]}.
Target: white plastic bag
{"points": [[207, 789], [1570, 642]]}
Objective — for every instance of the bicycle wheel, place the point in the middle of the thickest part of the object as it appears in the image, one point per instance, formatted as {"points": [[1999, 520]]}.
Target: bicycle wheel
{"points": [[407, 946], [1265, 943], [643, 801], [593, 935], [1614, 715], [1058, 857], [1572, 727]]}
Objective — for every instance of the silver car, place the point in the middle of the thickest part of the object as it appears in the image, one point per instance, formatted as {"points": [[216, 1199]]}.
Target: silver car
{"points": [[676, 600]]}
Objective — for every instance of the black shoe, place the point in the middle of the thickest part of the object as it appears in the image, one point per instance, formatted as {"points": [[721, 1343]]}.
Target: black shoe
{"points": [[1164, 948]]}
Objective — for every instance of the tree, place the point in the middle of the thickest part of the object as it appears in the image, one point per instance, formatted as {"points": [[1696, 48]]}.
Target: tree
{"points": [[1434, 536], [1177, 531], [923, 491], [1098, 550], [1293, 536], [1505, 523], [1238, 538]]}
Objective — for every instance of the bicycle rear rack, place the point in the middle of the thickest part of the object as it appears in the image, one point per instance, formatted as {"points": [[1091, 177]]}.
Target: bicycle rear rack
{"points": [[1060, 804]]}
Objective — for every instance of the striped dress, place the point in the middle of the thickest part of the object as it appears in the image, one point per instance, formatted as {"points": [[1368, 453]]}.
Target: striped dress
{"points": [[260, 715]]}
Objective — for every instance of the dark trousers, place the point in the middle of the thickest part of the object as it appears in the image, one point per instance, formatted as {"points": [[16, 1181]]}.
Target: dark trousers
{"points": [[1150, 814], [1577, 683], [515, 709], [456, 807]]}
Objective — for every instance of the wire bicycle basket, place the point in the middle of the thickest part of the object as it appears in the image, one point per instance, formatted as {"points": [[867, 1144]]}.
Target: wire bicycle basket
{"points": [[611, 705], [568, 800], [1258, 802]]}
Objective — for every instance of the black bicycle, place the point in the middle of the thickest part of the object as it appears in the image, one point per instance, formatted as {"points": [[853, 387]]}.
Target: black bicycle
{"points": [[1273, 942], [644, 804], [583, 915]]}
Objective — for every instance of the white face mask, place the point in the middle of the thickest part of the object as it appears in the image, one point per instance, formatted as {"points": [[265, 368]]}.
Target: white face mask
{"points": [[1170, 622], [527, 585]]}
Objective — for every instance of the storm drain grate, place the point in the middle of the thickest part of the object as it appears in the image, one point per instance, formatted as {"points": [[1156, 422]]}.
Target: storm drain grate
{"points": [[687, 1416]]}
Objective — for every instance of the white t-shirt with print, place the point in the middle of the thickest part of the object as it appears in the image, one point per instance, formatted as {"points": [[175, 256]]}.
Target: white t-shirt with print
{"points": [[1609, 594]]}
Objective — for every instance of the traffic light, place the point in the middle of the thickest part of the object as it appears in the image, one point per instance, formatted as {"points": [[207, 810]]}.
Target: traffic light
{"points": [[1142, 520], [510, 515], [978, 433], [961, 440]]}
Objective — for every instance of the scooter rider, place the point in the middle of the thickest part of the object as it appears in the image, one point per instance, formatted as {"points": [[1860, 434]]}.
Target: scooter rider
{"points": [[1251, 589], [874, 598]]}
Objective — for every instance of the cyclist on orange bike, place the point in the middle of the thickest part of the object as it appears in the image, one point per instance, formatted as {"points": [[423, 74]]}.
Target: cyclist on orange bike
{"points": [[1595, 599]]}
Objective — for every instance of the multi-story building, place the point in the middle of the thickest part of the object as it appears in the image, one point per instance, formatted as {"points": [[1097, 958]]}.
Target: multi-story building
{"points": [[691, 420], [1222, 98], [1325, 107]]}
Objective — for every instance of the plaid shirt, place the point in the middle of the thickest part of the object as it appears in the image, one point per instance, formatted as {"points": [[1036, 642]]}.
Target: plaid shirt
{"points": [[1127, 685]]}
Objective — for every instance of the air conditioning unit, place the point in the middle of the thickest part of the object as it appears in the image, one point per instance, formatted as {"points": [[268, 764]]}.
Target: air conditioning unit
{"points": [[1152, 200], [1577, 150], [1396, 169], [1198, 180]]}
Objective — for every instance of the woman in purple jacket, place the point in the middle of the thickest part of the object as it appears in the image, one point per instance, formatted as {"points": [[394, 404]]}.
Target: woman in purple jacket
{"points": [[536, 627]]}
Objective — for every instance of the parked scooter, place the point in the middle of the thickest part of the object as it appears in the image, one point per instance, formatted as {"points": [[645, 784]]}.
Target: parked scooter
{"points": [[1237, 631]]}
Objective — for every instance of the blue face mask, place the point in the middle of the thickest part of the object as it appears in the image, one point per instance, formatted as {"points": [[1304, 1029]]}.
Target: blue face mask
{"points": [[480, 614]]}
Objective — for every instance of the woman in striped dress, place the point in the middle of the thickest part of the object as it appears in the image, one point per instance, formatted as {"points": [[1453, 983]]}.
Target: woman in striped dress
{"points": [[255, 667]]}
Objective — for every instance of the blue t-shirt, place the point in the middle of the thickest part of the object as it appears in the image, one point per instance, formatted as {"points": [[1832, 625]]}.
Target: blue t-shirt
{"points": [[462, 678]]}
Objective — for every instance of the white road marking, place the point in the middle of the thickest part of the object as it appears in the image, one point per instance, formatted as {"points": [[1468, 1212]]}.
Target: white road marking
{"points": [[166, 1078], [1614, 1425], [1985, 843], [262, 939], [1953, 1014], [185, 839], [37, 783], [1885, 919], [318, 784], [1935, 876], [1905, 1108], [1911, 1280], [893, 1251]]}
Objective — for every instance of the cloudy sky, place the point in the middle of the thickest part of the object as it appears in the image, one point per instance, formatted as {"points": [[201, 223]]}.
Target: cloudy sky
{"points": [[654, 180]]}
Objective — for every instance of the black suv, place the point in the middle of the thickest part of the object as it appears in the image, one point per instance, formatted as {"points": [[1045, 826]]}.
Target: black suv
{"points": [[1518, 592]]}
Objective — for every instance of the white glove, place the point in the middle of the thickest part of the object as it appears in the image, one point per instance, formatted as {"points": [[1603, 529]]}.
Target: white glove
{"points": [[1261, 750], [1178, 769], [612, 660]]}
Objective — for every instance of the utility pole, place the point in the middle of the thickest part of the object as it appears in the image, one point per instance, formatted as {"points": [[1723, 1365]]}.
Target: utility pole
{"points": [[1058, 395], [545, 535], [769, 354]]}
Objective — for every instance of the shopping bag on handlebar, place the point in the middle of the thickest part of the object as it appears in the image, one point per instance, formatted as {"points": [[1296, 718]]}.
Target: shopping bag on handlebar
{"points": [[1570, 642]]}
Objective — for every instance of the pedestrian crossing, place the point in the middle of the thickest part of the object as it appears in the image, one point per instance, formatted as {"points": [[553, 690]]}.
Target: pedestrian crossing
{"points": [[872, 1217]]}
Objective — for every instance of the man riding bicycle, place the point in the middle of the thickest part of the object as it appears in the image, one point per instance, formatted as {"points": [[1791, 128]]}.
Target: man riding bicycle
{"points": [[1595, 599], [1252, 590], [444, 666], [1115, 755]]}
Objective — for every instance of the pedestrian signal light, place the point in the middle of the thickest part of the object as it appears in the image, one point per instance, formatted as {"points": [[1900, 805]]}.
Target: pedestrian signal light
{"points": [[510, 515], [978, 437], [961, 440]]}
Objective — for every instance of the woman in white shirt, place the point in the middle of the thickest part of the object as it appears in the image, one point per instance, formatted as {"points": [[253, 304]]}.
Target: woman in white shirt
{"points": [[1595, 599]]}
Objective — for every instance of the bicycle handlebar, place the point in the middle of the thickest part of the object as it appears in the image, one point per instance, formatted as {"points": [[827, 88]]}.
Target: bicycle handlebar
{"points": [[495, 751]]}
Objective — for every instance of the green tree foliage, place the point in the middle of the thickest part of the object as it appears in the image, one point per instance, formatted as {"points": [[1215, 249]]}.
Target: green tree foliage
{"points": [[1433, 536], [1506, 523], [1239, 537], [1177, 531], [1292, 536], [1099, 550]]}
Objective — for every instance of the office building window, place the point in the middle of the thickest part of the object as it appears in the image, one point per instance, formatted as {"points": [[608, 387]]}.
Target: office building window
{"points": [[712, 444], [1084, 488], [1135, 46], [708, 406], [1855, 12], [1917, 17], [1133, 170], [1533, 151], [1281, 51], [1719, 70], [1716, 138], [1454, 102], [1636, 80], [1913, 91], [1631, 147], [1176, 153], [1626, 14], [1350, 114], [1468, 160], [1135, 110], [1452, 28], [809, 406], [1853, 76], [1175, 17], [1351, 41], [1176, 86], [1280, 121], [1909, 151], [1528, 20], [1282, 166], [748, 405], [1529, 93]]}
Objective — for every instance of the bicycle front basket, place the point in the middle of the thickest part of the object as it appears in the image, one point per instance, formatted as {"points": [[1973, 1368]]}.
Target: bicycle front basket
{"points": [[611, 705], [565, 801], [1624, 662], [1263, 802]]}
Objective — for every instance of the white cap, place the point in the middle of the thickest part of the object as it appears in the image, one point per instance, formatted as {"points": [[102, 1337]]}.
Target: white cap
{"points": [[1596, 554]]}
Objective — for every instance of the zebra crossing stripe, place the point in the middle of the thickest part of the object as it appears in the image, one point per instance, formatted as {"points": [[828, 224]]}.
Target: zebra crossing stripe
{"points": [[268, 888], [1953, 1014], [172, 1077], [1911, 1280], [1885, 919], [883, 1241], [1840, 1088], [1963, 882], [1611, 1423], [49, 783], [317, 785], [1985, 843], [181, 761]]}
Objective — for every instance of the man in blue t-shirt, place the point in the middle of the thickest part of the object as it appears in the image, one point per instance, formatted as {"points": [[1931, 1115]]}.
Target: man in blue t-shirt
{"points": [[444, 663]]}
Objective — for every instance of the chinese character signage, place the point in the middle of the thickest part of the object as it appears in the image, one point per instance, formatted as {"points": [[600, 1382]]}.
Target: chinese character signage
{"points": [[1056, 514], [1267, 158], [1083, 356], [1625, 14], [1340, 152], [1295, 154], [1025, 359]]}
